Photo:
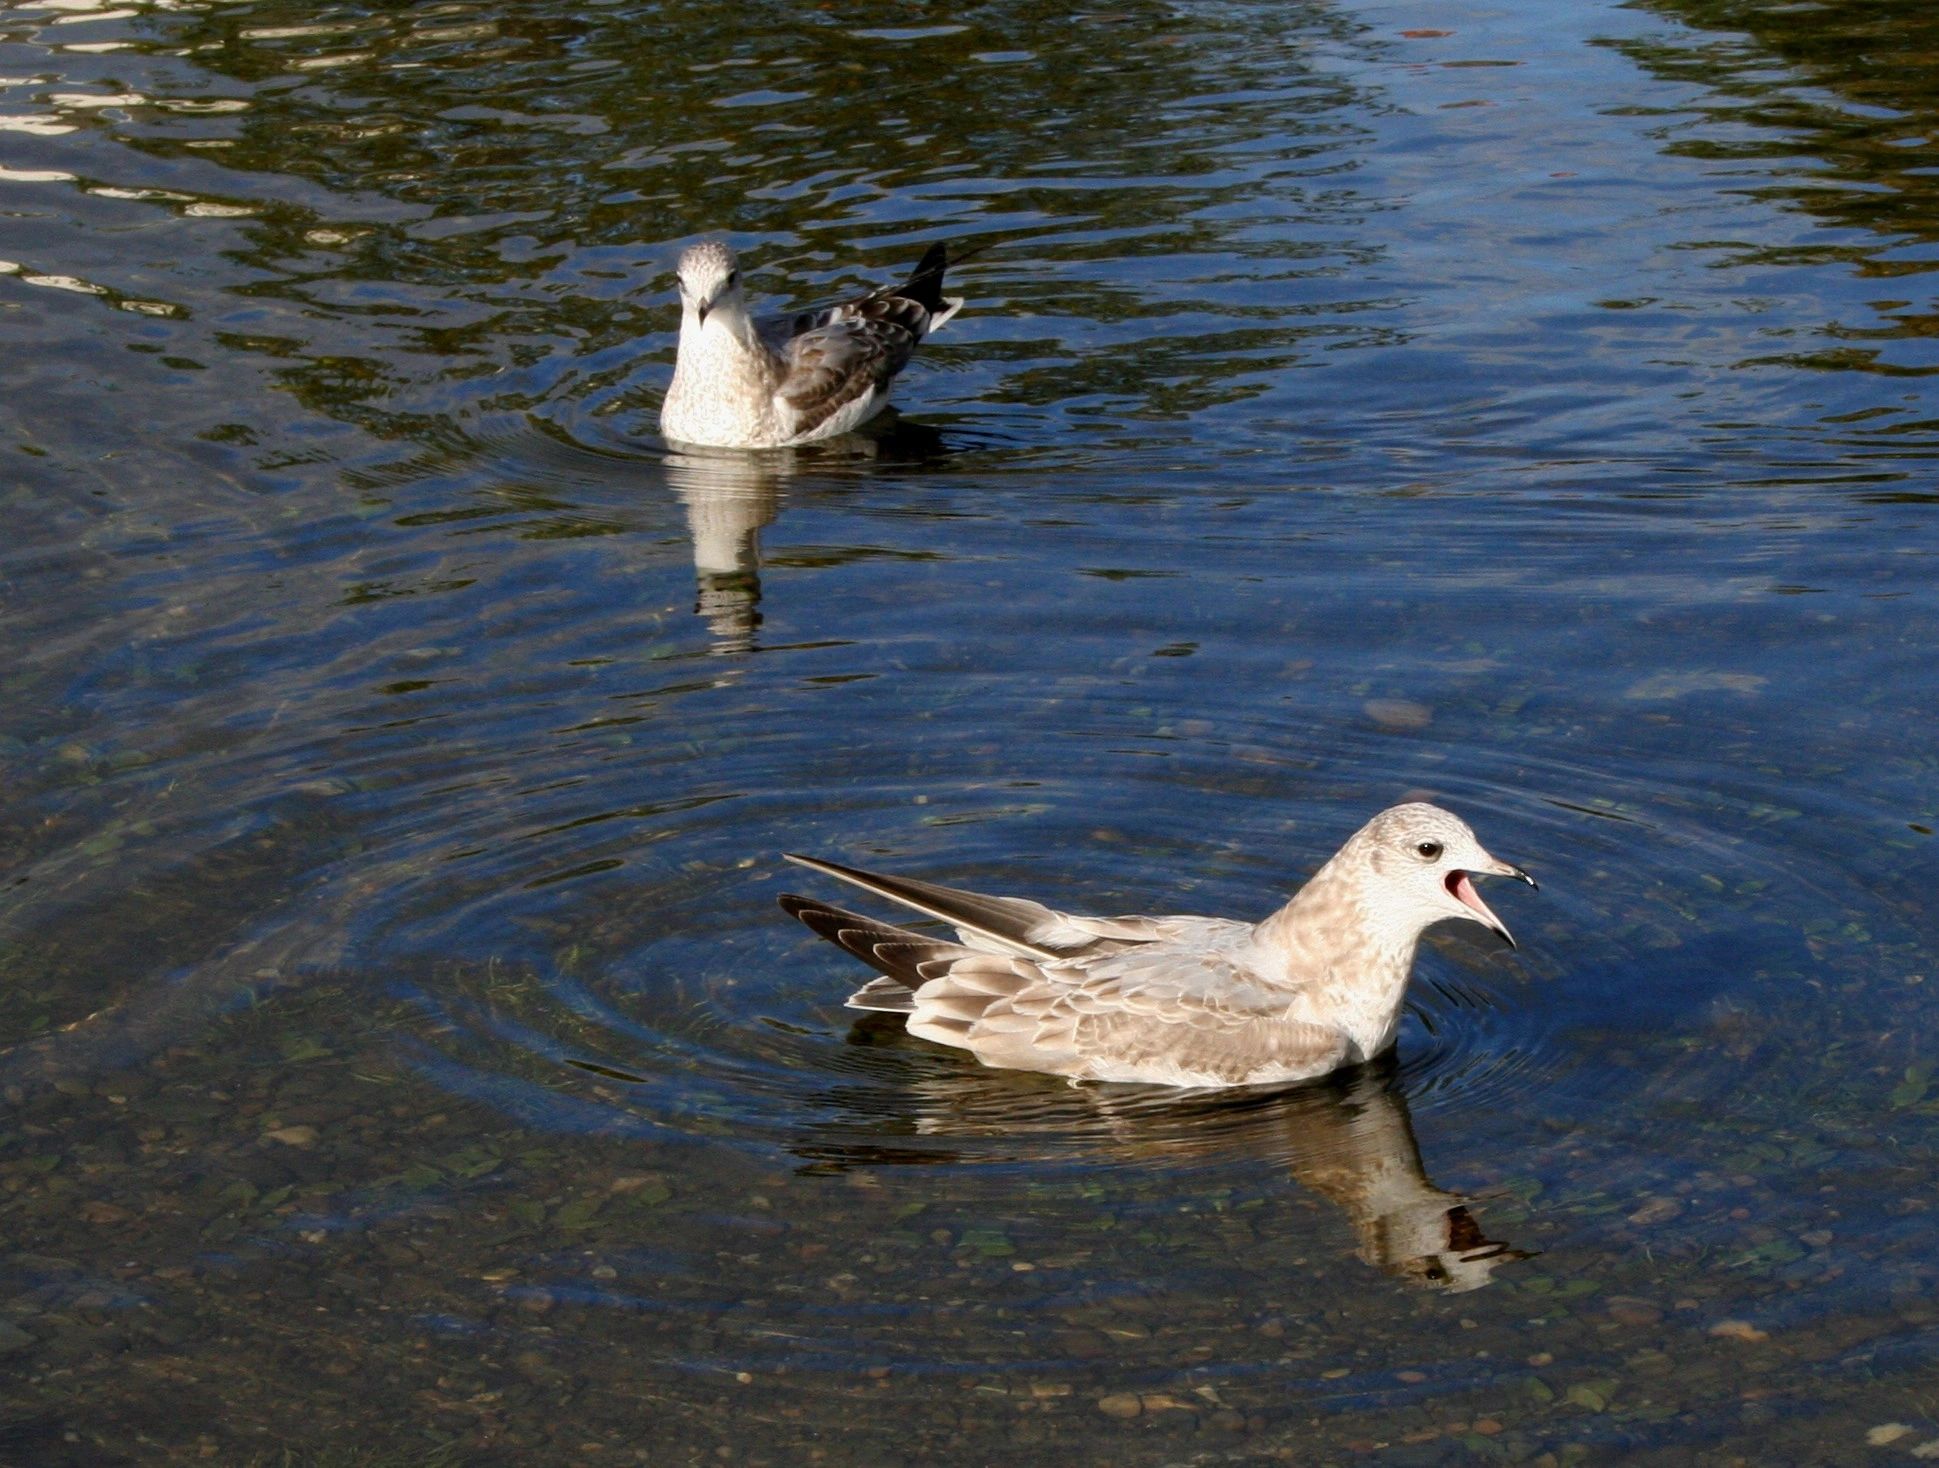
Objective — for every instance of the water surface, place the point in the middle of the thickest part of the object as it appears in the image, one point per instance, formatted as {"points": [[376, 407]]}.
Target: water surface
{"points": [[405, 1059]]}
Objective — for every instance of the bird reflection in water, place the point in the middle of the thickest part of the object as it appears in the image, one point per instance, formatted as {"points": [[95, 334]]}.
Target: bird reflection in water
{"points": [[1362, 1155], [729, 497], [732, 494], [1348, 1138]]}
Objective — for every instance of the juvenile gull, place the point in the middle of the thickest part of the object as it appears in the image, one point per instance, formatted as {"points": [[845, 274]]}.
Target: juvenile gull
{"points": [[746, 384], [1176, 1001]]}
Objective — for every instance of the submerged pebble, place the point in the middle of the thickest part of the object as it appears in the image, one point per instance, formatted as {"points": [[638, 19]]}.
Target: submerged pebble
{"points": [[1740, 1330]]}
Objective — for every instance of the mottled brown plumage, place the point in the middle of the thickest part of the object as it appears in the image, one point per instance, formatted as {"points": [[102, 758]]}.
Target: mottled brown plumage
{"points": [[743, 383], [1183, 1001]]}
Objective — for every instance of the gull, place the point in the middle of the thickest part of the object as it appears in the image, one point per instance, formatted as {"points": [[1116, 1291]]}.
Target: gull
{"points": [[744, 383], [1174, 1001]]}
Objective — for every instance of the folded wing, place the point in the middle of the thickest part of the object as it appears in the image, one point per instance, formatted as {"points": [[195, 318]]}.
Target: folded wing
{"points": [[1176, 1007], [1155, 1013], [837, 361], [844, 365]]}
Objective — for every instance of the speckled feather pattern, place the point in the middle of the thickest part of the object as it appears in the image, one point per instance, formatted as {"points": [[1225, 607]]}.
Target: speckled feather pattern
{"points": [[743, 383], [1182, 1001]]}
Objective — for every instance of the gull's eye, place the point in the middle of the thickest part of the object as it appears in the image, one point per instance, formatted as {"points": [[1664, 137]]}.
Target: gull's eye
{"points": [[1429, 849], [733, 277]]}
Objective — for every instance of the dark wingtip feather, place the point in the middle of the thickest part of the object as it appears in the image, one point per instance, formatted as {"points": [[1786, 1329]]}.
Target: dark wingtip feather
{"points": [[896, 953], [827, 922]]}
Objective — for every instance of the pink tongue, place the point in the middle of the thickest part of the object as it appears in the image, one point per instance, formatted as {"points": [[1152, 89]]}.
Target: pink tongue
{"points": [[1464, 889]]}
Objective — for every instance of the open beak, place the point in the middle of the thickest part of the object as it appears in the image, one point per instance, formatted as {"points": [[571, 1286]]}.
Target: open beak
{"points": [[1461, 889], [700, 310]]}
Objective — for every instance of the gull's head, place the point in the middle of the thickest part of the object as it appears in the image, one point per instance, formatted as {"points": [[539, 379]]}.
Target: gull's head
{"points": [[1419, 862], [710, 277]]}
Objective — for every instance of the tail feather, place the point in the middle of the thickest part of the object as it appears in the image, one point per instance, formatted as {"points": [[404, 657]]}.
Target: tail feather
{"points": [[896, 952], [925, 284], [889, 996], [1010, 921]]}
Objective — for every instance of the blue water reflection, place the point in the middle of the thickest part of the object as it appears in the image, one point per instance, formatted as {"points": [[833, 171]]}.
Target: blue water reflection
{"points": [[1522, 408]]}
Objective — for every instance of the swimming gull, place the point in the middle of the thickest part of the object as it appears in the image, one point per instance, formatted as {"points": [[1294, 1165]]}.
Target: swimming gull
{"points": [[1176, 1001], [744, 383]]}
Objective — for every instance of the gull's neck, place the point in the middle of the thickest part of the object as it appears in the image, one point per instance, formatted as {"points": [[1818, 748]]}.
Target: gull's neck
{"points": [[1347, 958], [728, 328], [723, 380]]}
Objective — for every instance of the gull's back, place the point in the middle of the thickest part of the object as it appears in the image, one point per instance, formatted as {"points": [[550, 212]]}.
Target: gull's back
{"points": [[838, 361]]}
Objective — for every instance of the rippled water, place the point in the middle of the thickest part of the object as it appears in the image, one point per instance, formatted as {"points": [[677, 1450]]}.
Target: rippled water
{"points": [[406, 1061]]}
